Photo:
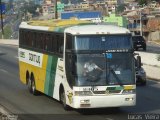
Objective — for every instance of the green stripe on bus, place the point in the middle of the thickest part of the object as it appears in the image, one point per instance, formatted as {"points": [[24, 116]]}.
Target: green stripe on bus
{"points": [[115, 88], [50, 75]]}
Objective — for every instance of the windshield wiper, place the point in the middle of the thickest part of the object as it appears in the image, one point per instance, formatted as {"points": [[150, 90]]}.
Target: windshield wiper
{"points": [[117, 78]]}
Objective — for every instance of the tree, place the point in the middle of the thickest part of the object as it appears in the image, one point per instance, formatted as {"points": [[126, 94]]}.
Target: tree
{"points": [[30, 7], [120, 8], [142, 2]]}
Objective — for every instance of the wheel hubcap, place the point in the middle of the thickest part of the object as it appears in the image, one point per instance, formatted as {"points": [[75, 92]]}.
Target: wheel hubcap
{"points": [[33, 86]]}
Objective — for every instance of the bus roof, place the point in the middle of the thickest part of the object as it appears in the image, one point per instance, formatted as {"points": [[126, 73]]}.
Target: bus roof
{"points": [[73, 26], [97, 29], [53, 25]]}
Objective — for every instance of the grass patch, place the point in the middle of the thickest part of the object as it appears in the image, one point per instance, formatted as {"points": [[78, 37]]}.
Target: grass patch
{"points": [[7, 32]]}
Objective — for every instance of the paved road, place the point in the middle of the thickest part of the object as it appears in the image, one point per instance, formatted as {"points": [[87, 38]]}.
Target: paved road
{"points": [[15, 97]]}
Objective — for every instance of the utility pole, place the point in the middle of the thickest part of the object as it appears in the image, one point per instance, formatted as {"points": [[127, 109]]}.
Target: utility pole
{"points": [[141, 24], [141, 31], [55, 10], [1, 19]]}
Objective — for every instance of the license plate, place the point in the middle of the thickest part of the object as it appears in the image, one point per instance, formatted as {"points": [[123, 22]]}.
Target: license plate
{"points": [[138, 45]]}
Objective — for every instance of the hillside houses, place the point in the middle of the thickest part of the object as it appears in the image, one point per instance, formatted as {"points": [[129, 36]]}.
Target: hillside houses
{"points": [[141, 20]]}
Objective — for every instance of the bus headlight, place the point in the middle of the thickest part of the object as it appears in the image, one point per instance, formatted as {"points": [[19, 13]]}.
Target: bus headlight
{"points": [[129, 99], [129, 91], [83, 93]]}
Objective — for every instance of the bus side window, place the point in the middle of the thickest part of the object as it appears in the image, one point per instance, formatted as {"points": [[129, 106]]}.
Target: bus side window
{"points": [[33, 39], [42, 40], [45, 46], [21, 37], [59, 40], [29, 39], [60, 45], [26, 38], [37, 40], [69, 42], [48, 42], [54, 43]]}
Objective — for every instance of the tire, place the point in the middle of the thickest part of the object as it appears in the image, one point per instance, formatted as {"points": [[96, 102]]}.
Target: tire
{"points": [[63, 100], [34, 91], [143, 83], [116, 109], [144, 48], [31, 86]]}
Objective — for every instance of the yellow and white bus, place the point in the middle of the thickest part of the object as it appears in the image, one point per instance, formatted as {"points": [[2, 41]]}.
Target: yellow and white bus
{"points": [[52, 56]]}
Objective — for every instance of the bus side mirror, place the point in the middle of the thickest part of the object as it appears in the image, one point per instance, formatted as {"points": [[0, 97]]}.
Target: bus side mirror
{"points": [[139, 64]]}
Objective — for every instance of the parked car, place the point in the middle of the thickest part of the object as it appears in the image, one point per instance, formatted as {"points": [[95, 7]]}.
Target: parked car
{"points": [[140, 76], [139, 42], [140, 72]]}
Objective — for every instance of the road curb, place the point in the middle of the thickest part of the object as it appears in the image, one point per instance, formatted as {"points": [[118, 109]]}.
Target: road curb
{"points": [[9, 45], [156, 66], [154, 42], [3, 110], [153, 79], [9, 42], [5, 114]]}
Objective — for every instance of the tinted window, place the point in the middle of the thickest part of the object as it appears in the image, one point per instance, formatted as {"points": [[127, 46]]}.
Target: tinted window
{"points": [[42, 40], [102, 42], [48, 42], [54, 44], [136, 38], [69, 42]]}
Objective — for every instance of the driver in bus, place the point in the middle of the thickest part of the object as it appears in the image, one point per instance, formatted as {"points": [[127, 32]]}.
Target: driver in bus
{"points": [[91, 70]]}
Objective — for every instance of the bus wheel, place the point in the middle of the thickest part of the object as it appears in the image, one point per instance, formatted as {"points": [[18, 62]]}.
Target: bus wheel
{"points": [[29, 85], [34, 92], [33, 87], [63, 100]]}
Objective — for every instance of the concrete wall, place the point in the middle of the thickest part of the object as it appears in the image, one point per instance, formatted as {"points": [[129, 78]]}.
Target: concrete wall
{"points": [[151, 64], [150, 58], [154, 35]]}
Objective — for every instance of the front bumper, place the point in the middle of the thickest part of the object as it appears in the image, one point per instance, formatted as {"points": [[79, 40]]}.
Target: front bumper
{"points": [[104, 101]]}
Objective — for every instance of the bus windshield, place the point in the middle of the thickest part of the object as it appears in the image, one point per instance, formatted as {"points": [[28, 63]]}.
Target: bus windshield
{"points": [[102, 42], [100, 60], [113, 69]]}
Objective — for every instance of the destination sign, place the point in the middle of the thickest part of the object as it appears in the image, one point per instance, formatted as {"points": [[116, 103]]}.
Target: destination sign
{"points": [[30, 57]]}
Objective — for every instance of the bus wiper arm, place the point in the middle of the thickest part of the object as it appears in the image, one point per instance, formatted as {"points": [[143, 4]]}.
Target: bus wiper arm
{"points": [[117, 78]]}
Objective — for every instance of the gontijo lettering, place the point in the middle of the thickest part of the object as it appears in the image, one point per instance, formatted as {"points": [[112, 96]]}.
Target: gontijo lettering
{"points": [[34, 58]]}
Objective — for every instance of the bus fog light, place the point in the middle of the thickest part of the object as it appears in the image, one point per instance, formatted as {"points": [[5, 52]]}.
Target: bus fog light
{"points": [[129, 91], [128, 99]]}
